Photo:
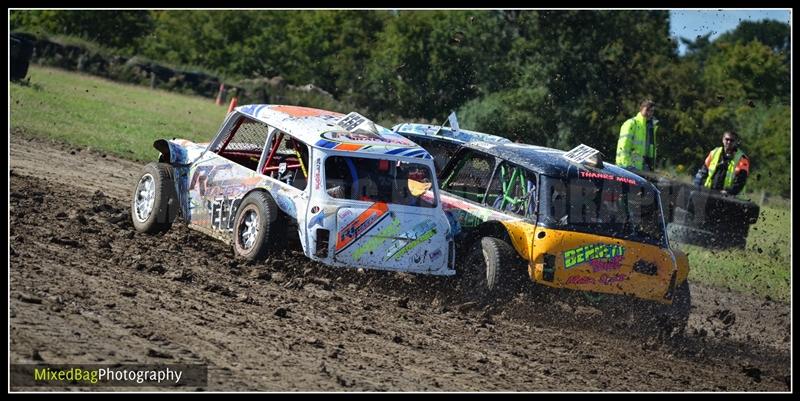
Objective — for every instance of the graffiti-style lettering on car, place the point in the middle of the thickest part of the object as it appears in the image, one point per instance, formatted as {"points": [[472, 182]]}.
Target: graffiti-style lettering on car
{"points": [[587, 253]]}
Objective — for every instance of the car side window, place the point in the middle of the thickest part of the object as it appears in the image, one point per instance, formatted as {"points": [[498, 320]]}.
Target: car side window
{"points": [[470, 177], [512, 190], [440, 150], [245, 143], [287, 160]]}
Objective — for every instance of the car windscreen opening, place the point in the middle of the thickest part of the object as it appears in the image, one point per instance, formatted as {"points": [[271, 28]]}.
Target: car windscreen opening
{"points": [[379, 180], [605, 207]]}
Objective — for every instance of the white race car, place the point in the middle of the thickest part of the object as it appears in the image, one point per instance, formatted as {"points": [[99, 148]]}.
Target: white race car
{"points": [[359, 194]]}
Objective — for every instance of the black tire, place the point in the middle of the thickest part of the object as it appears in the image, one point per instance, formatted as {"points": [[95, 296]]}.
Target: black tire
{"points": [[664, 321], [154, 204], [259, 211], [675, 317], [489, 270]]}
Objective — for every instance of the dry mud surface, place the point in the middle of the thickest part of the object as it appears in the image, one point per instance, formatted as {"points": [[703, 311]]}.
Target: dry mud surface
{"points": [[86, 288]]}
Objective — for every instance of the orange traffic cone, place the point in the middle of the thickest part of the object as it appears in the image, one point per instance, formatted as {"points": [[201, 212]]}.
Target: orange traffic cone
{"points": [[233, 104]]}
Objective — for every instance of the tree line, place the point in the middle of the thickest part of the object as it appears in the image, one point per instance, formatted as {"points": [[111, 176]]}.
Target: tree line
{"points": [[552, 78]]}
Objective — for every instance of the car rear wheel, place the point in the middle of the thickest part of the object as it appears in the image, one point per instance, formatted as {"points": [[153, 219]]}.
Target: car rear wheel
{"points": [[668, 320], [154, 204], [256, 225]]}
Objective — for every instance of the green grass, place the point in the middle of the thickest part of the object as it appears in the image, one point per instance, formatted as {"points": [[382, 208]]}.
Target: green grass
{"points": [[116, 118], [762, 268]]}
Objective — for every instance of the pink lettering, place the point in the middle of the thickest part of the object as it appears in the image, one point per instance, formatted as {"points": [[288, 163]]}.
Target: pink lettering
{"points": [[600, 265], [580, 280], [606, 280], [602, 176]]}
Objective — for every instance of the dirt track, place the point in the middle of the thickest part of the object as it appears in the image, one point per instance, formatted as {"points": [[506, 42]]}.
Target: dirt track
{"points": [[86, 288]]}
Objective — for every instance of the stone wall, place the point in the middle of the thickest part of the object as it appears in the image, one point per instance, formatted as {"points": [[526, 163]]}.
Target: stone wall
{"points": [[141, 71]]}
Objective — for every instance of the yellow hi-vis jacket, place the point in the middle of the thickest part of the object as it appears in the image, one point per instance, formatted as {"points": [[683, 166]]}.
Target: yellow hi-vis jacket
{"points": [[631, 145]]}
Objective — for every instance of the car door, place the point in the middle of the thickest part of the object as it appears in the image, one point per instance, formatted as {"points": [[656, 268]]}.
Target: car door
{"points": [[224, 174]]}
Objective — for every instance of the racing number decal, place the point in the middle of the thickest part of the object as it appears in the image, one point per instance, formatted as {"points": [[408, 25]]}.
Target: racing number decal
{"points": [[351, 121]]}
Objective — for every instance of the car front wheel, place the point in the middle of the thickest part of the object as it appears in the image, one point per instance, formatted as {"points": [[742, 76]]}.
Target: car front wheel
{"points": [[488, 270]]}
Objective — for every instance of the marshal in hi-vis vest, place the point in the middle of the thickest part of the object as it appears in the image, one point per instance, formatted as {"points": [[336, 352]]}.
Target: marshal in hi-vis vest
{"points": [[631, 145], [729, 175]]}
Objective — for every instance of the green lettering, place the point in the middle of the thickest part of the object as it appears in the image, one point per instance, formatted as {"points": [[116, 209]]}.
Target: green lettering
{"points": [[602, 251], [569, 258], [39, 375], [590, 252]]}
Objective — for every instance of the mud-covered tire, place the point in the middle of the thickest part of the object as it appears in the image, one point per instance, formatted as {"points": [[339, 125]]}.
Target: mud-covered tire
{"points": [[678, 316], [673, 319], [665, 321], [154, 204], [488, 270], [257, 222]]}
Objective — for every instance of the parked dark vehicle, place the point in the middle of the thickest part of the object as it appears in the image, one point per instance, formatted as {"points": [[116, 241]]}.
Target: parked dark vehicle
{"points": [[704, 217]]}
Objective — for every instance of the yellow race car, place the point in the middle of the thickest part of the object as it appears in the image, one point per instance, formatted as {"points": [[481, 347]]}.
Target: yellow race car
{"points": [[574, 221]]}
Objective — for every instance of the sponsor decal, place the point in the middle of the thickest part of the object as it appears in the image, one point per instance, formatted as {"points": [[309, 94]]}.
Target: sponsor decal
{"points": [[344, 216], [363, 138], [611, 279], [604, 279], [383, 235], [580, 280], [361, 225], [587, 253], [411, 239], [317, 174], [604, 176], [600, 265], [435, 254]]}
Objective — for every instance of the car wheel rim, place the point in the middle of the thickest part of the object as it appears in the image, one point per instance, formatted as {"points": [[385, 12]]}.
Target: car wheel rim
{"points": [[249, 232], [145, 198]]}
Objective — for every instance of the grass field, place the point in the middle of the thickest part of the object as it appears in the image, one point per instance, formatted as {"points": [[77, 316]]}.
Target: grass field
{"points": [[125, 120], [762, 268], [120, 119]]}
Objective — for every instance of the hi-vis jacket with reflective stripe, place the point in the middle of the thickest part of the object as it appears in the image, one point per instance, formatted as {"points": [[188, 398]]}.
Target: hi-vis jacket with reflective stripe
{"points": [[631, 145], [738, 163]]}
